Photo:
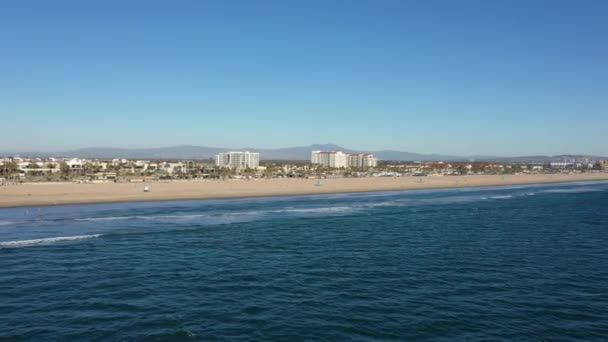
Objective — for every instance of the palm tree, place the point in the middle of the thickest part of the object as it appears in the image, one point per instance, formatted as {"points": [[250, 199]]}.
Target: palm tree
{"points": [[10, 168], [65, 168]]}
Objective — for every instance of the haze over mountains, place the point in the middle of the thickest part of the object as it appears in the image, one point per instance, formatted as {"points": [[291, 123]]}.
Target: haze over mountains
{"points": [[288, 153]]}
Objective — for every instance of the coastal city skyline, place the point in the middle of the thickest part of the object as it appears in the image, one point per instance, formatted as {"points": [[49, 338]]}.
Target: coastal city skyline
{"points": [[238, 165], [470, 78]]}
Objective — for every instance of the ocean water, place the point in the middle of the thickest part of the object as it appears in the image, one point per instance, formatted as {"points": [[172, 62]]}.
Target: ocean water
{"points": [[508, 263]]}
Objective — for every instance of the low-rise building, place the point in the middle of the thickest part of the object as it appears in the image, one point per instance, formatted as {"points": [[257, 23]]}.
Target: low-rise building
{"points": [[75, 164], [560, 165], [105, 176], [172, 168]]}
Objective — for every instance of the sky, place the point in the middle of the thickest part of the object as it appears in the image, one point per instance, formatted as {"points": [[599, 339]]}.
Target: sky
{"points": [[506, 78]]}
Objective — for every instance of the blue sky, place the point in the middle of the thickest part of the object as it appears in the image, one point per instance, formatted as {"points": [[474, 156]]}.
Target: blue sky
{"points": [[459, 77]]}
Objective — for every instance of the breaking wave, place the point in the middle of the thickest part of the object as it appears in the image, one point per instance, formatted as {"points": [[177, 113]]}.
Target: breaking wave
{"points": [[92, 223], [316, 210], [569, 191], [34, 242], [109, 218]]}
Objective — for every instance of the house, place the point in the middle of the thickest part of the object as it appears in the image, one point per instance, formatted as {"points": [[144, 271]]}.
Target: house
{"points": [[75, 164], [172, 168], [105, 176]]}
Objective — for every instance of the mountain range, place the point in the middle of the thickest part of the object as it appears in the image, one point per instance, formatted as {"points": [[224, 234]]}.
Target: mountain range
{"points": [[288, 153]]}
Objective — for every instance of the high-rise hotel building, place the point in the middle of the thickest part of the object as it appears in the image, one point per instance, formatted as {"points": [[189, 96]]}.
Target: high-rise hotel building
{"points": [[238, 160], [339, 159], [362, 160]]}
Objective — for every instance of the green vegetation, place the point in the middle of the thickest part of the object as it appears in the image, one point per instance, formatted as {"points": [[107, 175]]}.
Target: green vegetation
{"points": [[125, 170]]}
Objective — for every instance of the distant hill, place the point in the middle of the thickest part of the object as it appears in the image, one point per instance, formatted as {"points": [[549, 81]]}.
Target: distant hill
{"points": [[288, 153], [203, 152]]}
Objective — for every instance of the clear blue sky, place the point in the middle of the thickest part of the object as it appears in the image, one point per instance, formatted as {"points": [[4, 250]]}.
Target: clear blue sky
{"points": [[459, 77]]}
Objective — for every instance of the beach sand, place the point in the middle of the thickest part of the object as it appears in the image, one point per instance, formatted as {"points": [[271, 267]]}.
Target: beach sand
{"points": [[39, 194]]}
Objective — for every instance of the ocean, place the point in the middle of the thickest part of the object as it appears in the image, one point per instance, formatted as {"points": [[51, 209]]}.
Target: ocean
{"points": [[523, 262]]}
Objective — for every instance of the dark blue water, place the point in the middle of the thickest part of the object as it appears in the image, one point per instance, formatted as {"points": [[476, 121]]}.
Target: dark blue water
{"points": [[526, 262]]}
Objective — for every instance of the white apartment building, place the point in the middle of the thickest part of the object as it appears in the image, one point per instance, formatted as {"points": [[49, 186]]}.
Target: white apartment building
{"points": [[339, 159], [238, 160]]}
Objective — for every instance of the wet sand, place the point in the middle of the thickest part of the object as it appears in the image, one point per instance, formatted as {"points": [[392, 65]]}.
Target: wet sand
{"points": [[40, 194]]}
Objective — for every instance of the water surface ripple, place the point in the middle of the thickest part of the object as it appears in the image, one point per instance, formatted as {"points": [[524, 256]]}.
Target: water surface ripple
{"points": [[521, 262]]}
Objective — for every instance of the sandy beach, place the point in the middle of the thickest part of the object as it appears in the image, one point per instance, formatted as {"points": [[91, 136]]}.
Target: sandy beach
{"points": [[41, 194]]}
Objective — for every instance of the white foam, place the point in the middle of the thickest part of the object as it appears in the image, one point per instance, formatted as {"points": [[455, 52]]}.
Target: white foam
{"points": [[7, 223], [109, 218], [316, 210], [182, 217], [139, 217], [24, 243], [231, 218], [485, 188], [569, 191], [395, 203], [502, 197]]}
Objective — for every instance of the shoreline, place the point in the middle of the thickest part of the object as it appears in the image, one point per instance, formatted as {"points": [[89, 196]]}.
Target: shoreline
{"points": [[51, 194]]}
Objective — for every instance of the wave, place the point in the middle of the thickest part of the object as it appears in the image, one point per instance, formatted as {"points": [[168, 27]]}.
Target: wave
{"points": [[502, 197], [394, 203], [209, 216], [181, 217], [109, 218], [569, 191], [138, 217], [487, 188], [315, 210], [25, 243]]}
